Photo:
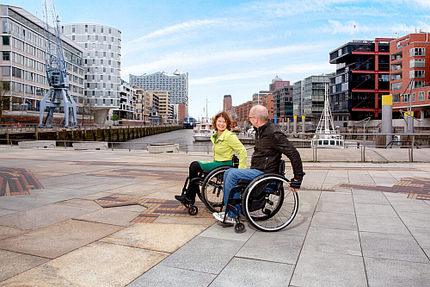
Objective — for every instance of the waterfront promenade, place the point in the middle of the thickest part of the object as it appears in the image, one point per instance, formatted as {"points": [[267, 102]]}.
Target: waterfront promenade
{"points": [[108, 218]]}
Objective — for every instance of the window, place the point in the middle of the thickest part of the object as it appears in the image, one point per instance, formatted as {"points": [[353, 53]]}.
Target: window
{"points": [[6, 41], [419, 84], [405, 98], [6, 56], [413, 97], [428, 95], [417, 63], [396, 86], [421, 96], [6, 72], [417, 74], [417, 52]]}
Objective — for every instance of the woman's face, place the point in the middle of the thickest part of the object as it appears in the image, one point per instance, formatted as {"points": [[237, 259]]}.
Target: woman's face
{"points": [[221, 124]]}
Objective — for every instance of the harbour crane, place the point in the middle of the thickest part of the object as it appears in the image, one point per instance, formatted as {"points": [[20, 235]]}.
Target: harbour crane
{"points": [[58, 95]]}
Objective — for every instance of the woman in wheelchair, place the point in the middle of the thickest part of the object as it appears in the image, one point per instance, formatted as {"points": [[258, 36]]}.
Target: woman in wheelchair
{"points": [[225, 144], [270, 144]]}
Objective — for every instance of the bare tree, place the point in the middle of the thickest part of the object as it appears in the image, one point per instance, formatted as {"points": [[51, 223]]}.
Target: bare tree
{"points": [[4, 98]]}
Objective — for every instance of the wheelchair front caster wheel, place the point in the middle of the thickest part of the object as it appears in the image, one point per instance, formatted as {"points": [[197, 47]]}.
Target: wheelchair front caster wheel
{"points": [[239, 227], [192, 210]]}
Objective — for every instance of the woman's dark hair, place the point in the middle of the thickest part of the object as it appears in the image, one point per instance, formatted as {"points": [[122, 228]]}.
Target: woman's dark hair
{"points": [[225, 116]]}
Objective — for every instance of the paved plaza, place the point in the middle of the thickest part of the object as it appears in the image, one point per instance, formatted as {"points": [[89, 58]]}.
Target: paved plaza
{"points": [[108, 218]]}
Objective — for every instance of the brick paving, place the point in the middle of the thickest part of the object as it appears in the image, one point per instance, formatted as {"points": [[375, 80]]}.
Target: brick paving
{"points": [[17, 181], [414, 187]]}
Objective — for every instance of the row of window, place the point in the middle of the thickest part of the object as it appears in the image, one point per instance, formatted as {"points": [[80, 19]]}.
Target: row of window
{"points": [[405, 98], [33, 90], [415, 85]]}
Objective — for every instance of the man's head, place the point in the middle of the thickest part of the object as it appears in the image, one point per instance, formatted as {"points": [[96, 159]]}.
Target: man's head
{"points": [[258, 116]]}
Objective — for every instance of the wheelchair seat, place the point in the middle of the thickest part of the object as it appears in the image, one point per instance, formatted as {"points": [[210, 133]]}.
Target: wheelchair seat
{"points": [[210, 182]]}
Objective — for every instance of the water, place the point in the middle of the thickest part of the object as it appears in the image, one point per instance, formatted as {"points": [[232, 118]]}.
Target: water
{"points": [[182, 137]]}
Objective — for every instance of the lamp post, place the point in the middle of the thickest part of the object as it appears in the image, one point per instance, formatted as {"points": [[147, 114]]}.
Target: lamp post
{"points": [[364, 122]]}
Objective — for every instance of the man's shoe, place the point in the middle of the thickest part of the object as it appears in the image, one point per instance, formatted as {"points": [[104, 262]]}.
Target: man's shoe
{"points": [[220, 217]]}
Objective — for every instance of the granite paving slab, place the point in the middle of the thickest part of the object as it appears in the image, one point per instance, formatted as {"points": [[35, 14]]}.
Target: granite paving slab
{"points": [[98, 264], [12, 263], [155, 236], [58, 239], [396, 273], [392, 246], [6, 232], [280, 247], [330, 240], [42, 216], [204, 254], [114, 216], [334, 220], [329, 269], [162, 276], [242, 272], [381, 224]]}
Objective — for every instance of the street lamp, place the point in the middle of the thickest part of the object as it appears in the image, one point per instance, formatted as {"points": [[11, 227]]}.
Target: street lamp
{"points": [[364, 122]]}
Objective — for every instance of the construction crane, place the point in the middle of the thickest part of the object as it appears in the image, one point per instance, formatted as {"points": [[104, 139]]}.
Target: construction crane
{"points": [[58, 95]]}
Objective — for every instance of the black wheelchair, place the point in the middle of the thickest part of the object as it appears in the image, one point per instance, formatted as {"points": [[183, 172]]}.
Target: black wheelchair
{"points": [[267, 201], [210, 191]]}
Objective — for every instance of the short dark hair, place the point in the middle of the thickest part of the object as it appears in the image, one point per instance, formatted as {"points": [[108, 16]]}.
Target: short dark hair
{"points": [[225, 116]]}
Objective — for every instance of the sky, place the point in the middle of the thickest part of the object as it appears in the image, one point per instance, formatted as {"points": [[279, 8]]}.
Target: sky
{"points": [[237, 47]]}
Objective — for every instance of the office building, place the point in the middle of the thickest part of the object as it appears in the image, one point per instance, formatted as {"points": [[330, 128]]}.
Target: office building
{"points": [[102, 63], [410, 74], [227, 103], [176, 84], [23, 60], [165, 111], [362, 77]]}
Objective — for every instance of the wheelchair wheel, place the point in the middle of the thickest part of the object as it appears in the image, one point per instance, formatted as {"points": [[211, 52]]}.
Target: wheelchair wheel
{"points": [[193, 210], [211, 191], [268, 204]]}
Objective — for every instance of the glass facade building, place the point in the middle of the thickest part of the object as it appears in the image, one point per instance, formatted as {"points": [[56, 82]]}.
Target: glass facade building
{"points": [[23, 60], [176, 84], [102, 61]]}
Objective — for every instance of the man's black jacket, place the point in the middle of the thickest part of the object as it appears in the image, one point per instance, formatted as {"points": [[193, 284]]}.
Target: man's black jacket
{"points": [[270, 144]]}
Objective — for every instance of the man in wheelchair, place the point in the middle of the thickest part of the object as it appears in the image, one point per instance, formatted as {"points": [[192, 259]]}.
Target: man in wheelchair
{"points": [[270, 144]]}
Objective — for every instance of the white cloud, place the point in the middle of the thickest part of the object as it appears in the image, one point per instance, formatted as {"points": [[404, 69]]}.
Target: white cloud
{"points": [[197, 59], [294, 69]]}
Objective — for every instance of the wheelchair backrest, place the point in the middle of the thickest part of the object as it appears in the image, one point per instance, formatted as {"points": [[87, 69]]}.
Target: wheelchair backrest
{"points": [[281, 167]]}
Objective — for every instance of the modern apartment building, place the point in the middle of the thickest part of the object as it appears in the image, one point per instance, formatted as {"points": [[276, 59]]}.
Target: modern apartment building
{"points": [[362, 77], [242, 114], [127, 101], [165, 111], [282, 98], [23, 60], [176, 84], [102, 62], [410, 74]]}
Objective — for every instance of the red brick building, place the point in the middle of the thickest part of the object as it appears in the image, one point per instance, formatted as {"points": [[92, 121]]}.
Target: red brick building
{"points": [[410, 73]]}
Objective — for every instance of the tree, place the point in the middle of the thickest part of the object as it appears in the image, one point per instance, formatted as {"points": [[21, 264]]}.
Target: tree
{"points": [[114, 117], [4, 98]]}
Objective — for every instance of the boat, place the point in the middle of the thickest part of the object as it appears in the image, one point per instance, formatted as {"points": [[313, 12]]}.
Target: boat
{"points": [[203, 131], [326, 136]]}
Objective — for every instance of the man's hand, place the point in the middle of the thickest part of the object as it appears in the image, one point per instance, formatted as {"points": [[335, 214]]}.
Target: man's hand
{"points": [[295, 184]]}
